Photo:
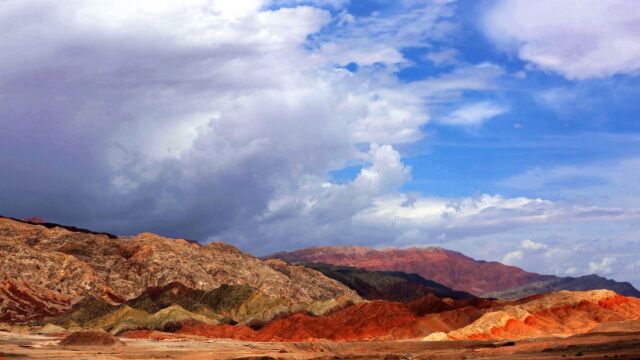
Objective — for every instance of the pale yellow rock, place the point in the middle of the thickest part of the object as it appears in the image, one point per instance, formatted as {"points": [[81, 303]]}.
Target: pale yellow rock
{"points": [[49, 329], [436, 336]]}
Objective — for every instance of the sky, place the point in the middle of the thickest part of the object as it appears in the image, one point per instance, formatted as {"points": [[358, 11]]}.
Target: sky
{"points": [[507, 130]]}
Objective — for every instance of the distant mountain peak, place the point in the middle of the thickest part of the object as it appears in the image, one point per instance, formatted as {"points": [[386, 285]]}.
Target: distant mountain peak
{"points": [[455, 270], [450, 268]]}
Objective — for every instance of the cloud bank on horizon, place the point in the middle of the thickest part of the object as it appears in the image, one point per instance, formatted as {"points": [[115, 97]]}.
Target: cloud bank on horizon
{"points": [[279, 124]]}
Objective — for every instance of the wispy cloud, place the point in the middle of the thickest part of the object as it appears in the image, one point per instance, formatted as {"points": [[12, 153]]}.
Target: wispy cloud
{"points": [[473, 115], [448, 56], [532, 245], [605, 183]]}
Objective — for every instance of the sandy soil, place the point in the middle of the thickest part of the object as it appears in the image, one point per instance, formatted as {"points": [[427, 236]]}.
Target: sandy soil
{"points": [[591, 346]]}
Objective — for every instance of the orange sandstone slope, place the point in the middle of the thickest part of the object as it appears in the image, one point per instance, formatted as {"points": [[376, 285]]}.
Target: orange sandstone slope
{"points": [[374, 320], [367, 321], [557, 314], [563, 313], [449, 268]]}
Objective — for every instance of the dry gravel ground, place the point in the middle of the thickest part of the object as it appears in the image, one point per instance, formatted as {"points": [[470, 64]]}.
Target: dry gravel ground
{"points": [[592, 346]]}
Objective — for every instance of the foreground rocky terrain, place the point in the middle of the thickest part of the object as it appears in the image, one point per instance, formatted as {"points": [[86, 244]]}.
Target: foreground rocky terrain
{"points": [[588, 346], [177, 312], [453, 269]]}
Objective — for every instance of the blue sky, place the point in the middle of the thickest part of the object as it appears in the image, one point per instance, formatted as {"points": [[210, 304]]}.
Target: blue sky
{"points": [[505, 129]]}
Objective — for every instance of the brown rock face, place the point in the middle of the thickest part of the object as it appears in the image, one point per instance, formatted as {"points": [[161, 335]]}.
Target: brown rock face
{"points": [[449, 268], [91, 338], [35, 220], [80, 264]]}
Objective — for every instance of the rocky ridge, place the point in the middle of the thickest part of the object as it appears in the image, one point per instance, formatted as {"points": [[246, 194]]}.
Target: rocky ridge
{"points": [[92, 265]]}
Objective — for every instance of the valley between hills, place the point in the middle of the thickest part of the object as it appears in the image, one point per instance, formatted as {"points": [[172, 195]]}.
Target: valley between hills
{"points": [[74, 293]]}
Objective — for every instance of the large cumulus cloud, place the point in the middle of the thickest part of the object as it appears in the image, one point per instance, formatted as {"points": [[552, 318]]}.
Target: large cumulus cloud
{"points": [[225, 120], [184, 118]]}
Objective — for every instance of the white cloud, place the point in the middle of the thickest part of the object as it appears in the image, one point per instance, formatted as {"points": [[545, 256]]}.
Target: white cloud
{"points": [[386, 173], [613, 183], [572, 271], [579, 39], [334, 4], [452, 213], [474, 114], [380, 38], [443, 57], [532, 245], [439, 89], [513, 257], [604, 266]]}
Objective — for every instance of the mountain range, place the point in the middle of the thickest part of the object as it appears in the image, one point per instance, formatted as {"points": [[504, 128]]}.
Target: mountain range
{"points": [[454, 270], [61, 279]]}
